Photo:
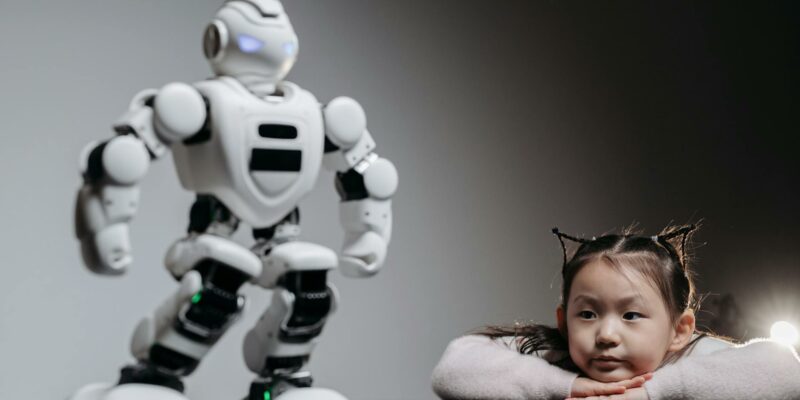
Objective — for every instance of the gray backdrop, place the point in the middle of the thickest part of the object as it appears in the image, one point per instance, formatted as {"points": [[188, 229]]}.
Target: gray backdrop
{"points": [[504, 119]]}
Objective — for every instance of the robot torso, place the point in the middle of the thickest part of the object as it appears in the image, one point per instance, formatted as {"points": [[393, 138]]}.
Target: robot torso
{"points": [[258, 156]]}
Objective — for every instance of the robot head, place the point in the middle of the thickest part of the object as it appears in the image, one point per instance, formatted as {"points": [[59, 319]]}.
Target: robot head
{"points": [[252, 41]]}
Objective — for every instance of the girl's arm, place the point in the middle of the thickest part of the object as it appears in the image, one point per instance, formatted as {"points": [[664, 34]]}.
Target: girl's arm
{"points": [[476, 367], [761, 370]]}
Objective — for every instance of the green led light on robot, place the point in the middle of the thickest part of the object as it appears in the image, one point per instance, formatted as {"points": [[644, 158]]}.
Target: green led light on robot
{"points": [[196, 298], [267, 395]]}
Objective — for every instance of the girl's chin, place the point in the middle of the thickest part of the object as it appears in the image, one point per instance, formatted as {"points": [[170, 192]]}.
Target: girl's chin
{"points": [[619, 374]]}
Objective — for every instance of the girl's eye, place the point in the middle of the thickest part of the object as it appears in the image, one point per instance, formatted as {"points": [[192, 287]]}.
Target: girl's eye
{"points": [[632, 315], [586, 314]]}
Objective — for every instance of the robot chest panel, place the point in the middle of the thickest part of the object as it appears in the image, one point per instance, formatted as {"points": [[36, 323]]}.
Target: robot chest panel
{"points": [[260, 156], [276, 143]]}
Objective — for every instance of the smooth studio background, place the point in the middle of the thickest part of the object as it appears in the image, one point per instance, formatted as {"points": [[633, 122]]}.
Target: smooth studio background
{"points": [[504, 119]]}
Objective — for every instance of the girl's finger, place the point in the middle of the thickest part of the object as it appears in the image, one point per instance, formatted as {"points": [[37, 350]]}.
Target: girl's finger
{"points": [[636, 381], [606, 389], [592, 398]]}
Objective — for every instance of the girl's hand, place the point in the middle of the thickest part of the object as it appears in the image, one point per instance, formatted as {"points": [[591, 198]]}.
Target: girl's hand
{"points": [[631, 394], [586, 387]]}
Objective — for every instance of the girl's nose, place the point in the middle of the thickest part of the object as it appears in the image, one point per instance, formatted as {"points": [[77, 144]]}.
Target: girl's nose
{"points": [[608, 335]]}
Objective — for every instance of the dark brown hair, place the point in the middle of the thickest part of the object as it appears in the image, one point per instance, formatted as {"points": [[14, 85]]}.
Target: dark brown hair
{"points": [[655, 258]]}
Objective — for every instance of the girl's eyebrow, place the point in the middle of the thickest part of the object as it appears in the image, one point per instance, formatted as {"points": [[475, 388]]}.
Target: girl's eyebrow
{"points": [[594, 301]]}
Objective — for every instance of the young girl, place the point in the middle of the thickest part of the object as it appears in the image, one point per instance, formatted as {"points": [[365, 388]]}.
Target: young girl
{"points": [[627, 310]]}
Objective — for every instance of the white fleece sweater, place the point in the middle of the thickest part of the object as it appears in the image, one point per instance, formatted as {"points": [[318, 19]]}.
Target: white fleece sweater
{"points": [[476, 367]]}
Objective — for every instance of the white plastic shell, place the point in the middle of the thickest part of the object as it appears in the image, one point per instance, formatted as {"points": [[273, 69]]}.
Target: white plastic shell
{"points": [[179, 111], [131, 391], [125, 160], [221, 165], [263, 339], [345, 122], [155, 326], [295, 256], [380, 179], [259, 46], [186, 253]]}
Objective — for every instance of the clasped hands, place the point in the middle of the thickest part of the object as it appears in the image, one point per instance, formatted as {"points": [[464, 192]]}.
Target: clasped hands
{"points": [[629, 389]]}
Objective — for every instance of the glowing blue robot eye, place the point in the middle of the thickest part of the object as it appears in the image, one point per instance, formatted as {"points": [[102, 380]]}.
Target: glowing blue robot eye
{"points": [[288, 48], [249, 44]]}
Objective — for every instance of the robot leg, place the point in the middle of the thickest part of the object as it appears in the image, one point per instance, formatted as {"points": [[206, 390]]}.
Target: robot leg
{"points": [[170, 343], [281, 342]]}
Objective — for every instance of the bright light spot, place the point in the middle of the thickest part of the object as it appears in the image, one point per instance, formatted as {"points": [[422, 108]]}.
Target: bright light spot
{"points": [[288, 48], [784, 332], [249, 44]]}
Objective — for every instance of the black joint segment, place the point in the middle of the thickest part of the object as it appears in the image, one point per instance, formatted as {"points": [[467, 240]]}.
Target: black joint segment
{"points": [[217, 304], [213, 311], [205, 210], [204, 134], [293, 217], [312, 304], [221, 276], [350, 185], [269, 232], [265, 233], [329, 146], [166, 358], [125, 130], [257, 390], [305, 381], [94, 165], [285, 363], [149, 375], [305, 281]]}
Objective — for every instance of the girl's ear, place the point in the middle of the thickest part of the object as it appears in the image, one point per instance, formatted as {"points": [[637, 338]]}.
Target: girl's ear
{"points": [[684, 329], [562, 321]]}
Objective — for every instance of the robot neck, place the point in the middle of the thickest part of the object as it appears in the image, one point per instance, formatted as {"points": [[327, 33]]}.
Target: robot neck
{"points": [[258, 85]]}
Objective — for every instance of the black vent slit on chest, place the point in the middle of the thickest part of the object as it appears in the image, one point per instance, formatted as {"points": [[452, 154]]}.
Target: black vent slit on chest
{"points": [[275, 131], [275, 160]]}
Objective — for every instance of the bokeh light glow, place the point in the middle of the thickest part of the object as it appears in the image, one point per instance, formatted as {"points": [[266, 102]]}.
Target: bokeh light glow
{"points": [[784, 332]]}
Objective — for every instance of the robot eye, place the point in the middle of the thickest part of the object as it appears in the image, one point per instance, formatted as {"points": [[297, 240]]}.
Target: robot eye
{"points": [[211, 42], [249, 44]]}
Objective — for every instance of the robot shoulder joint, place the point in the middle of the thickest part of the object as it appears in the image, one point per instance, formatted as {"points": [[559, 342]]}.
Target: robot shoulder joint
{"points": [[180, 111], [345, 122]]}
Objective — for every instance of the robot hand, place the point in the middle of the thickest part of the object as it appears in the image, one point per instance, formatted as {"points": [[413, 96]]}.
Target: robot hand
{"points": [[368, 228], [108, 200], [362, 255]]}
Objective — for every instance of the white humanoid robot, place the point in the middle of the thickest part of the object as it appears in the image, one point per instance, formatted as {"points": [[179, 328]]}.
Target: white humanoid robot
{"points": [[251, 146]]}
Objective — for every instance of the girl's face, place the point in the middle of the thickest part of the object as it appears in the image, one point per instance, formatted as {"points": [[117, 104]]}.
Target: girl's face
{"points": [[617, 326]]}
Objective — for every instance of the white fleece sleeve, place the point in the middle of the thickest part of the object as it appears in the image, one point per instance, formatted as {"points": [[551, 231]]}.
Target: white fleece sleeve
{"points": [[761, 369], [475, 367]]}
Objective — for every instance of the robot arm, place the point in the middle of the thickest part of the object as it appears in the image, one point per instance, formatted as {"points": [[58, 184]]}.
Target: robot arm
{"points": [[366, 184], [112, 170]]}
